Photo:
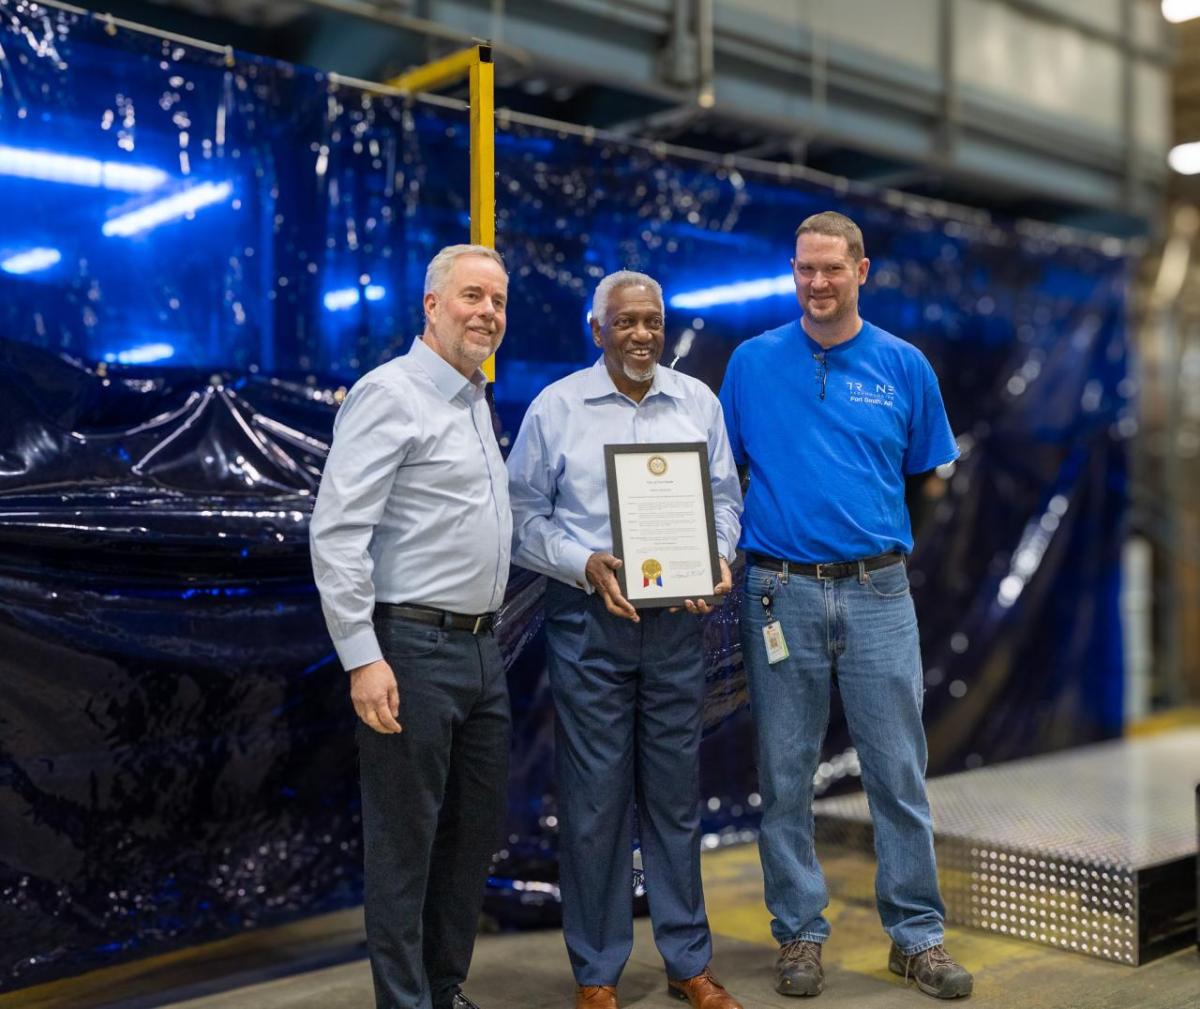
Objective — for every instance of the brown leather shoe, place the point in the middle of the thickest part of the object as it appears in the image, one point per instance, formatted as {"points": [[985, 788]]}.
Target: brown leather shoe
{"points": [[596, 996], [703, 992]]}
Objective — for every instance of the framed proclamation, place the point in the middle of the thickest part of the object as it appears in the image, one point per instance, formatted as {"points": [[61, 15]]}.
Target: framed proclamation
{"points": [[661, 508]]}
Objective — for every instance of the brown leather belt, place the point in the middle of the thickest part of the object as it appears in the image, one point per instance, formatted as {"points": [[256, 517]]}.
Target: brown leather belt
{"points": [[475, 623], [836, 569]]}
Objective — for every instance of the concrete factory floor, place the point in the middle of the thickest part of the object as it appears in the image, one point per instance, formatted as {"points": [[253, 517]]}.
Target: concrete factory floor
{"points": [[319, 964]]}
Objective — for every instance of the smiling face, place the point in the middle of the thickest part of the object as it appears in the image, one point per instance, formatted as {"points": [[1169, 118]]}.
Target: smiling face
{"points": [[827, 280], [631, 337], [465, 320]]}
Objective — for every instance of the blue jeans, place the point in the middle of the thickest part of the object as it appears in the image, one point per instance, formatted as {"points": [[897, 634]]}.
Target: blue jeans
{"points": [[863, 631]]}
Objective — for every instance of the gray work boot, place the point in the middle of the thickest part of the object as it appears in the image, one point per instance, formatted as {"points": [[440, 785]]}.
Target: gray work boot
{"points": [[798, 969], [934, 971]]}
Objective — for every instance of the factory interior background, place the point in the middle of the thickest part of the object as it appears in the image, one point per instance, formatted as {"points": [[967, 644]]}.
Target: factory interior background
{"points": [[217, 215]]}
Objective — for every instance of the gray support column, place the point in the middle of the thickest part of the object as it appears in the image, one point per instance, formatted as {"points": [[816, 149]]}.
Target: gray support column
{"points": [[1129, 181], [704, 53], [946, 132]]}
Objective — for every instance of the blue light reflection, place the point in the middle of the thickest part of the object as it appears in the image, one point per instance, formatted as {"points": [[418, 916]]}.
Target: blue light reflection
{"points": [[735, 293], [31, 261], [70, 169], [170, 208]]}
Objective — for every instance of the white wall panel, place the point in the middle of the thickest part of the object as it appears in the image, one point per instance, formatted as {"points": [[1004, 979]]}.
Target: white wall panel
{"points": [[905, 32], [1149, 26], [1030, 61], [1151, 107], [1102, 14]]}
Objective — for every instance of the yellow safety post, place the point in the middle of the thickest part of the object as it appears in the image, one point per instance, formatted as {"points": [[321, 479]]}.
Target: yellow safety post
{"points": [[476, 64], [483, 149]]}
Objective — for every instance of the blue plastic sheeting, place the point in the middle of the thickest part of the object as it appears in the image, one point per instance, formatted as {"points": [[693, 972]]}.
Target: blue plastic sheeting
{"points": [[197, 254]]}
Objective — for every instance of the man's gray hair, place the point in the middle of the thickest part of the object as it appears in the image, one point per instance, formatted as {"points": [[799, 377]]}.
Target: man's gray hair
{"points": [[614, 282], [440, 266]]}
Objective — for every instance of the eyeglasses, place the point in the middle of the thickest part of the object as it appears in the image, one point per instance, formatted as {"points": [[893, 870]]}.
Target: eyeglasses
{"points": [[822, 370]]}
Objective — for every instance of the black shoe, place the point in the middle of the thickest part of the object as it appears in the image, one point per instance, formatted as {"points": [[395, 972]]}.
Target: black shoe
{"points": [[933, 970], [798, 969], [462, 1002]]}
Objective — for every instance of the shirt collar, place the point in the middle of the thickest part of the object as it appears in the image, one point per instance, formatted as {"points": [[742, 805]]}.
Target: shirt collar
{"points": [[598, 384], [447, 379], [855, 341]]}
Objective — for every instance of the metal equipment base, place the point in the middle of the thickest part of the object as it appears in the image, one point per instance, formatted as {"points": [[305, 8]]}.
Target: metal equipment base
{"points": [[1092, 849]]}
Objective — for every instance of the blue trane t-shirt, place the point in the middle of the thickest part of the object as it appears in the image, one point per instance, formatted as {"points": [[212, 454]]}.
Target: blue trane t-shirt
{"points": [[827, 475]]}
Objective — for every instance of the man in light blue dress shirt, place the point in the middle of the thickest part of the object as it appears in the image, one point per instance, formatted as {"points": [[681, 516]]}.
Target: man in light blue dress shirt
{"points": [[410, 540], [628, 686]]}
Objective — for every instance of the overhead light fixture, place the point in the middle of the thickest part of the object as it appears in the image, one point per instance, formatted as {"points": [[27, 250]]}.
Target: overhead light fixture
{"points": [[735, 293], [1176, 11], [1185, 158], [146, 353], [170, 208], [30, 261], [23, 163]]}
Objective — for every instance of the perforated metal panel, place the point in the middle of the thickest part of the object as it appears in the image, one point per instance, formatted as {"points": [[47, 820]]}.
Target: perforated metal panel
{"points": [[1093, 850]]}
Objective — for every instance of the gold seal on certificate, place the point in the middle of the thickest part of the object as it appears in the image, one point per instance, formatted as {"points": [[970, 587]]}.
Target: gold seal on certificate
{"points": [[660, 504]]}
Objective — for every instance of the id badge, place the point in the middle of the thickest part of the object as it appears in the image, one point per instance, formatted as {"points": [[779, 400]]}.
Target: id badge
{"points": [[777, 649]]}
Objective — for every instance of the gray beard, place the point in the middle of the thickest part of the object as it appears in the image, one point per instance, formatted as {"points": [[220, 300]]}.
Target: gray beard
{"points": [[639, 377]]}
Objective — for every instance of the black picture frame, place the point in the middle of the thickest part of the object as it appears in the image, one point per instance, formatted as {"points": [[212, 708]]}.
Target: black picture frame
{"points": [[614, 510]]}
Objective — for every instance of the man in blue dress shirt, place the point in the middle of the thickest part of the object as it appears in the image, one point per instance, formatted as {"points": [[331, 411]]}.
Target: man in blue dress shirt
{"points": [[628, 686], [831, 414], [410, 541]]}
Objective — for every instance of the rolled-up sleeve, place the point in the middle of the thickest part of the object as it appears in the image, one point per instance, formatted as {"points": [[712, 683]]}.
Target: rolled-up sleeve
{"points": [[372, 433], [539, 543]]}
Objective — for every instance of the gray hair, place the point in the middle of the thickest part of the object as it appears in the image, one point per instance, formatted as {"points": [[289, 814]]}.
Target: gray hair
{"points": [[439, 267], [616, 281]]}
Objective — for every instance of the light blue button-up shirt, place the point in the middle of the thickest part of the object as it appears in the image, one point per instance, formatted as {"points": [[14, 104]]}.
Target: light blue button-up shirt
{"points": [[556, 468], [413, 505]]}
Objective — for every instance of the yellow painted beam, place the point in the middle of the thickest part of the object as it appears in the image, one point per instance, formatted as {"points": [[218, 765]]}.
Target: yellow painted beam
{"points": [[483, 150], [439, 73], [483, 160], [476, 65]]}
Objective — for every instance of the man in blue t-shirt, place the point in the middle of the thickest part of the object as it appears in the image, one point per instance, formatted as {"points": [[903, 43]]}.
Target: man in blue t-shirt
{"points": [[831, 414]]}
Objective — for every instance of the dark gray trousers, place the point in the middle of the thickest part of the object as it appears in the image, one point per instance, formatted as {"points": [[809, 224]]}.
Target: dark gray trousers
{"points": [[628, 699], [433, 800]]}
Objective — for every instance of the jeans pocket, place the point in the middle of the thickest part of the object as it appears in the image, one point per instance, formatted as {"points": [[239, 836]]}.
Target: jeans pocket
{"points": [[759, 583], [408, 640], [890, 582]]}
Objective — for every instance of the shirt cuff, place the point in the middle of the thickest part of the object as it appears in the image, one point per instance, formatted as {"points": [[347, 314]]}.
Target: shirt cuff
{"points": [[574, 565], [726, 549], [358, 649]]}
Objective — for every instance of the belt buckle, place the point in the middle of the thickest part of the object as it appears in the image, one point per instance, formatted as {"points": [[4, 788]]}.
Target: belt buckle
{"points": [[479, 622], [821, 576]]}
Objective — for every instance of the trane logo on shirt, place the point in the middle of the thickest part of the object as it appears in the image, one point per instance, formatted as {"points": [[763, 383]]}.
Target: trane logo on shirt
{"points": [[872, 393]]}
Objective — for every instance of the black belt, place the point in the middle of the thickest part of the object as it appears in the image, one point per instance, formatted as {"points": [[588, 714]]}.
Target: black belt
{"points": [[837, 569], [476, 624]]}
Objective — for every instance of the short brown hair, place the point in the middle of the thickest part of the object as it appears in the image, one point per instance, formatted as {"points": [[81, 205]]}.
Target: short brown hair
{"points": [[835, 225]]}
